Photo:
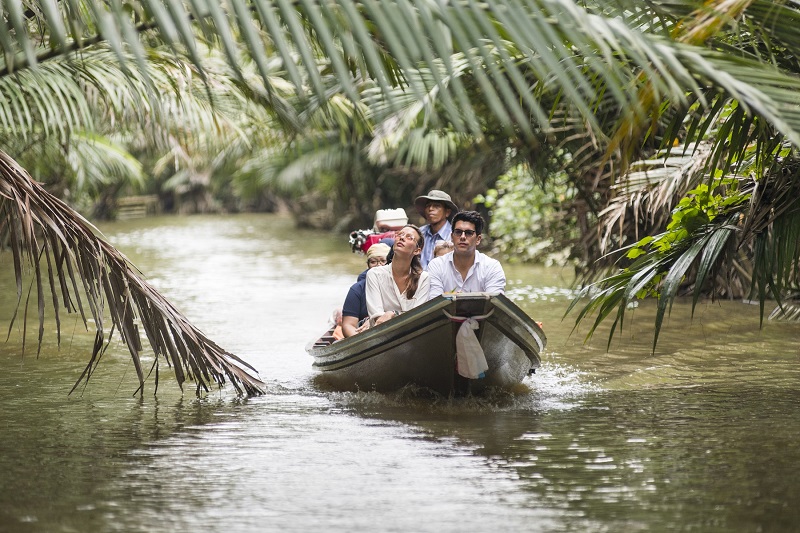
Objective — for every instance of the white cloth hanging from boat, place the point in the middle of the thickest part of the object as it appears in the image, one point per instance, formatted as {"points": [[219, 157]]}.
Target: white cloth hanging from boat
{"points": [[470, 360]]}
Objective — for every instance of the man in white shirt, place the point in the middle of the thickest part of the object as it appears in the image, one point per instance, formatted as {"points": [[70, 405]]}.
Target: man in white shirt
{"points": [[437, 209], [465, 269]]}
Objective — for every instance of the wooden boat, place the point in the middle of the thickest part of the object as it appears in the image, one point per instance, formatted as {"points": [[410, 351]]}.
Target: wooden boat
{"points": [[418, 347]]}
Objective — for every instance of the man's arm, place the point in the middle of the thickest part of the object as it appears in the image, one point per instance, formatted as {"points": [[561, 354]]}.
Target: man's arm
{"points": [[349, 326], [495, 281]]}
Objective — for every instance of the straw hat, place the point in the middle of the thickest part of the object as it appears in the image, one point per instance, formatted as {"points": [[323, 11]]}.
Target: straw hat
{"points": [[435, 196]]}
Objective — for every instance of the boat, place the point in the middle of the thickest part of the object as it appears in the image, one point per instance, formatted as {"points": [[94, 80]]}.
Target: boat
{"points": [[419, 348]]}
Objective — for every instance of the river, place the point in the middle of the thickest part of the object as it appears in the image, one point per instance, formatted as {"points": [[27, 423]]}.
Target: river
{"points": [[700, 435]]}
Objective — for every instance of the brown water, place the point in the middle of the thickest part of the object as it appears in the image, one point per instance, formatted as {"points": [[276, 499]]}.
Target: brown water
{"points": [[700, 436]]}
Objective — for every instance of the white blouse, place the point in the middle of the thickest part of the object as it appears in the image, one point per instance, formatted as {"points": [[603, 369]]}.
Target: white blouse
{"points": [[383, 294]]}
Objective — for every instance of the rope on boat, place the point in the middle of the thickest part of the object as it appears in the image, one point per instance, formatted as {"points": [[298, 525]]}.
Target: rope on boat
{"points": [[470, 359], [465, 318]]}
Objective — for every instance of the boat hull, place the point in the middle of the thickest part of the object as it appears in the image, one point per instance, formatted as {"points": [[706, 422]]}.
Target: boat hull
{"points": [[419, 348]]}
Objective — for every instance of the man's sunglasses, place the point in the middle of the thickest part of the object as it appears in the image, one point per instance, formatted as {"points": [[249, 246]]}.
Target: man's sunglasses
{"points": [[467, 232]]}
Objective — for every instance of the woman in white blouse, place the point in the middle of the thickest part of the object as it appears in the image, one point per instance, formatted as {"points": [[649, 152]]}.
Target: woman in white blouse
{"points": [[402, 284]]}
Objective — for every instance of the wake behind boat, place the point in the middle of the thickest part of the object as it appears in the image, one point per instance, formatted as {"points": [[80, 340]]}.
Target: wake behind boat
{"points": [[419, 347]]}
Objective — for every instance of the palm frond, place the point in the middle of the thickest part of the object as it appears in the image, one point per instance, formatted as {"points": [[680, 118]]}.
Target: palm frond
{"points": [[774, 228], [62, 250], [562, 48], [350, 38], [412, 111], [282, 169], [659, 274], [96, 159], [645, 195], [91, 92], [431, 149]]}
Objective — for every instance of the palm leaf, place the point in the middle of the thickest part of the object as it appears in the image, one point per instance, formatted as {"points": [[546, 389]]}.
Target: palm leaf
{"points": [[620, 290], [38, 226], [566, 48], [96, 159], [646, 194]]}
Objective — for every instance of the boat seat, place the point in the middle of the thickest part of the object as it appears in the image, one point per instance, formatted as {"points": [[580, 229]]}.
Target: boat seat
{"points": [[325, 340]]}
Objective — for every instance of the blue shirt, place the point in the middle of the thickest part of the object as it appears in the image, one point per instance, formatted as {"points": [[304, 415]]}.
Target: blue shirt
{"points": [[430, 241], [355, 304]]}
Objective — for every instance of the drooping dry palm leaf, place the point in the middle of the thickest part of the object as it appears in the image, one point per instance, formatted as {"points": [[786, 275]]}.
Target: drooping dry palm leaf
{"points": [[645, 195], [65, 253]]}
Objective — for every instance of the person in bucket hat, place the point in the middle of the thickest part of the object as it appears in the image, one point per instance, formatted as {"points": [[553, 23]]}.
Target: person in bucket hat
{"points": [[435, 196], [437, 208]]}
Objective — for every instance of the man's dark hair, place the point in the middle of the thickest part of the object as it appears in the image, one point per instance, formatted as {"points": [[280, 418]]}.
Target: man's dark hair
{"points": [[472, 217]]}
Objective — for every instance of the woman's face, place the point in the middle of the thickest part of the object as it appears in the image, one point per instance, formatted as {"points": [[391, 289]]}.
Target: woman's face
{"points": [[407, 241]]}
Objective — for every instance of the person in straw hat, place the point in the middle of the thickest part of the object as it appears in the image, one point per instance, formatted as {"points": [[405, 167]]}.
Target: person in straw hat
{"points": [[436, 208]]}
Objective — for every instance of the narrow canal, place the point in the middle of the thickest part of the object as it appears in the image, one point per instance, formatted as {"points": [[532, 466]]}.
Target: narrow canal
{"points": [[699, 436]]}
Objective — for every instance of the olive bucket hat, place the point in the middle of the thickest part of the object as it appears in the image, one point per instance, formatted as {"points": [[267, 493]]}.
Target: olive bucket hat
{"points": [[435, 196]]}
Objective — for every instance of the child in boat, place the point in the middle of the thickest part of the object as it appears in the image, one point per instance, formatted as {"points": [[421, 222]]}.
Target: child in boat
{"points": [[336, 325], [442, 248]]}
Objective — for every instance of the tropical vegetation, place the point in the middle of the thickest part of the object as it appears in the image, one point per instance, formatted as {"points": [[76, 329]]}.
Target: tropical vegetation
{"points": [[664, 133]]}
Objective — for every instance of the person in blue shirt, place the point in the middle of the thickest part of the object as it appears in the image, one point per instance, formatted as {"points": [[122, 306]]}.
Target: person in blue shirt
{"points": [[355, 304], [437, 208]]}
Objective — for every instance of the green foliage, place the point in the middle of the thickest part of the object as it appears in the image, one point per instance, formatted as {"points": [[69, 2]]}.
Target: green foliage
{"points": [[530, 221], [91, 129], [698, 208], [702, 225], [382, 100]]}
